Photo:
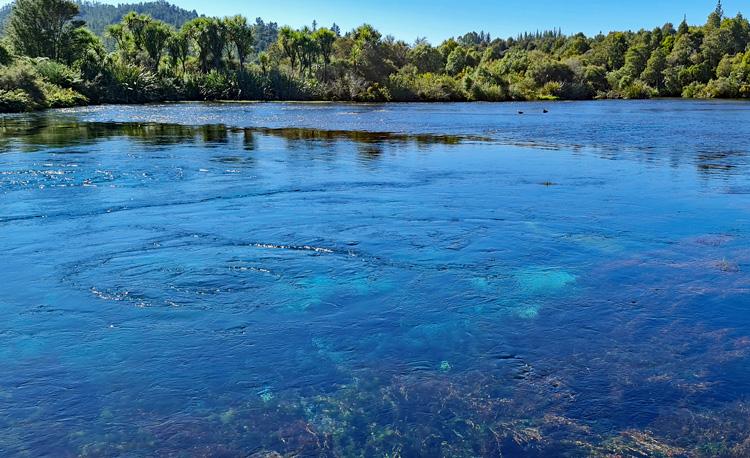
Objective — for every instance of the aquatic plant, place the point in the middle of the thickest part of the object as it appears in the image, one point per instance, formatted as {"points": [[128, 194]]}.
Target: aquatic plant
{"points": [[266, 395], [543, 280]]}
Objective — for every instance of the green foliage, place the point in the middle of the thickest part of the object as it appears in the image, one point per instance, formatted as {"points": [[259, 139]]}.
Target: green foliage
{"points": [[99, 16], [160, 52], [543, 70], [461, 59], [15, 100], [426, 58], [637, 90], [240, 35], [178, 49], [215, 85], [45, 28], [59, 97], [23, 86], [694, 90], [653, 74], [156, 36], [5, 56], [133, 84], [22, 76], [209, 35], [57, 73], [325, 39], [410, 85]]}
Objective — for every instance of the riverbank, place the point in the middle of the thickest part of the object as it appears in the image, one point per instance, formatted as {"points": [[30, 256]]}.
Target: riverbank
{"points": [[28, 85]]}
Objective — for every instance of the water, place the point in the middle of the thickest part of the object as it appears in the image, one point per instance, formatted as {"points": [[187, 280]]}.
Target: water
{"points": [[369, 280]]}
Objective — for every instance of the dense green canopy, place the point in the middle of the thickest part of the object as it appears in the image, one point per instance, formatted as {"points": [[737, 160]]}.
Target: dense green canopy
{"points": [[51, 59]]}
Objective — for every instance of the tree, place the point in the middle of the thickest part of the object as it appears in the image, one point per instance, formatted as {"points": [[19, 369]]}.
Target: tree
{"points": [[653, 75], [577, 45], [210, 37], [368, 55], [119, 33], [287, 43], [156, 35], [636, 60], [178, 48], [543, 70], [426, 58], [240, 35], [136, 24], [460, 59], [307, 49], [325, 38], [683, 28], [5, 55], [264, 60], [615, 45], [44, 28], [714, 19], [80, 42]]}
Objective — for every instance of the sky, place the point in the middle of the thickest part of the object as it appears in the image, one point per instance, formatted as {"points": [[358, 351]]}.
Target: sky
{"points": [[440, 19]]}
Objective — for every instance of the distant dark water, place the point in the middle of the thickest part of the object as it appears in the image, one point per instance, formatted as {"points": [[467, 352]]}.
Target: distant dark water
{"points": [[376, 280]]}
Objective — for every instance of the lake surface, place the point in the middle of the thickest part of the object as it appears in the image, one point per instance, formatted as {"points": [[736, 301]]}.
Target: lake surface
{"points": [[376, 280]]}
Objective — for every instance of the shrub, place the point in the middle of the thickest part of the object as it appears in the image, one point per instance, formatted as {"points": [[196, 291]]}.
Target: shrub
{"points": [[488, 92], [15, 101], [721, 88], [57, 73], [5, 56], [22, 76], [693, 90], [130, 83], [60, 97], [407, 85], [637, 90], [374, 93], [216, 85]]}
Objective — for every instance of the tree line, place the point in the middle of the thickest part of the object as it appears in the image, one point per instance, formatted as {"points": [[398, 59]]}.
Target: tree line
{"points": [[49, 58]]}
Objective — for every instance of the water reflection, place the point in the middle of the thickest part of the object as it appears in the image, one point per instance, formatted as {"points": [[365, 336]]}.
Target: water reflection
{"points": [[37, 132]]}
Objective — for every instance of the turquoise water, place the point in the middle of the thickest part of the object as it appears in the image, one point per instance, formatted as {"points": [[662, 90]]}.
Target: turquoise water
{"points": [[369, 280]]}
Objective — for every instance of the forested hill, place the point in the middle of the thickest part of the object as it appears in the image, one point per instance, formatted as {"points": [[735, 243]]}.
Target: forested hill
{"points": [[99, 15]]}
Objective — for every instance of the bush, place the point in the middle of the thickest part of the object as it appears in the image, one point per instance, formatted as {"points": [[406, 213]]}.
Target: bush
{"points": [[488, 92], [5, 56], [694, 90], [132, 84], [22, 76], [407, 86], [217, 85], [57, 73], [638, 90], [721, 88], [59, 97], [374, 93], [15, 101]]}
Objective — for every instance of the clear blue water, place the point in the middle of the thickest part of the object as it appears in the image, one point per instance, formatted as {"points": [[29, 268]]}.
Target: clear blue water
{"points": [[370, 280]]}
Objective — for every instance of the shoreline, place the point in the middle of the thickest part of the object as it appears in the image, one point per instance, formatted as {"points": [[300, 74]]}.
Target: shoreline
{"points": [[352, 102]]}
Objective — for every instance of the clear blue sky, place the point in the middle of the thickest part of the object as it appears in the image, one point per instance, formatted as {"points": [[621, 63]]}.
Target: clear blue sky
{"points": [[440, 19]]}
